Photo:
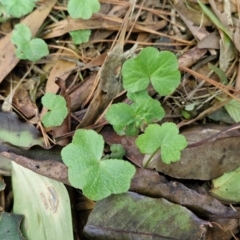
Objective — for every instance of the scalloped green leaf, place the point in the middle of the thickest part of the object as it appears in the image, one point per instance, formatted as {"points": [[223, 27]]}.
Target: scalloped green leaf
{"points": [[159, 68], [122, 117], [57, 105], [98, 178], [165, 138], [129, 119], [80, 36], [82, 9], [27, 48], [147, 110], [21, 35], [136, 96], [18, 8], [117, 151]]}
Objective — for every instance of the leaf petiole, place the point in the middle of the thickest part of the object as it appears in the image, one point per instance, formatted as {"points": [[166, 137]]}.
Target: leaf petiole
{"points": [[150, 158]]}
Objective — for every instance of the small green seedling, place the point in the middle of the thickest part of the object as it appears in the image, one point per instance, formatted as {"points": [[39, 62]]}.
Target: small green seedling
{"points": [[97, 177], [165, 138], [161, 69], [18, 8], [27, 48], [76, 8], [59, 111], [128, 119], [80, 36], [82, 8], [117, 151]]}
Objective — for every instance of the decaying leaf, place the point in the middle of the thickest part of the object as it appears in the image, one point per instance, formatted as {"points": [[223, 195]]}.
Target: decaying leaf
{"points": [[48, 213], [226, 187], [9, 226], [8, 59], [150, 183], [133, 216], [18, 133]]}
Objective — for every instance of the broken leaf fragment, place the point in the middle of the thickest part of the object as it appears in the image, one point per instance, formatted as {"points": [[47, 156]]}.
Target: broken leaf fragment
{"points": [[18, 133], [98, 178]]}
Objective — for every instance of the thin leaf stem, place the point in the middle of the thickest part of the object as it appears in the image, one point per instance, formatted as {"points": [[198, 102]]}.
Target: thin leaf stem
{"points": [[150, 158]]}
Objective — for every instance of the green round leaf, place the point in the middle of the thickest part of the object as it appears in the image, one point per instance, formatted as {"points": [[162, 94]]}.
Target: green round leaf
{"points": [[80, 36], [135, 78], [59, 111], [233, 109], [97, 178], [147, 111], [159, 68], [120, 115], [18, 8], [36, 49], [164, 137], [21, 35], [82, 8], [137, 96], [166, 78], [29, 49], [82, 156], [111, 177], [117, 151], [150, 141]]}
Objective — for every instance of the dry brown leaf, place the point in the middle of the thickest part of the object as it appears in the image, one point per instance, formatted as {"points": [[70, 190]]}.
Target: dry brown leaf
{"points": [[211, 41], [49, 168], [81, 92], [192, 13], [111, 23], [34, 21], [223, 229], [62, 69], [150, 183], [192, 56], [206, 161]]}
